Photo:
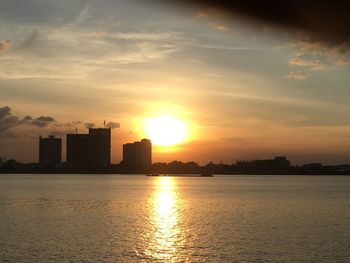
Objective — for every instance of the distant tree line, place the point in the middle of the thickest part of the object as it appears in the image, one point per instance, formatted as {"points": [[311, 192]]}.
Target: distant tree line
{"points": [[278, 165]]}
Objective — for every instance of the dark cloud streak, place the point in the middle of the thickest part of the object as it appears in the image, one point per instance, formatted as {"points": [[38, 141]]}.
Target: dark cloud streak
{"points": [[327, 21]]}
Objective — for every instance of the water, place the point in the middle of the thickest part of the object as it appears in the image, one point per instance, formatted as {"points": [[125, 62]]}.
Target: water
{"points": [[119, 218]]}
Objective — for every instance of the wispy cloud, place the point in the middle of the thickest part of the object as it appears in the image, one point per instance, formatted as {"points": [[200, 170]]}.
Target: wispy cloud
{"points": [[318, 54], [83, 15], [65, 53], [214, 18], [147, 36], [218, 26], [313, 64], [296, 75]]}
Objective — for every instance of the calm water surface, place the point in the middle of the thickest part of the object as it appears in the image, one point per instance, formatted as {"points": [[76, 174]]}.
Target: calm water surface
{"points": [[119, 218]]}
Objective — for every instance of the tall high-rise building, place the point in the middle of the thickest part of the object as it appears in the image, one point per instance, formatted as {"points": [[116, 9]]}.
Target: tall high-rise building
{"points": [[92, 149], [50, 150], [78, 149], [145, 152], [138, 153], [100, 146]]}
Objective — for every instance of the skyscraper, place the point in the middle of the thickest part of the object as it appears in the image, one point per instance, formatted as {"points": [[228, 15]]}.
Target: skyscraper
{"points": [[138, 153], [78, 149], [100, 146], [92, 149], [145, 152], [50, 150]]}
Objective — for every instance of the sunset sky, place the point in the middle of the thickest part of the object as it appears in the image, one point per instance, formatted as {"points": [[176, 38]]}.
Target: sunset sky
{"points": [[245, 90]]}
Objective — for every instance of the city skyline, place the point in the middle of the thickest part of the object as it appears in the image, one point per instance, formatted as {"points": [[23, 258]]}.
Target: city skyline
{"points": [[253, 90], [92, 149], [174, 131]]}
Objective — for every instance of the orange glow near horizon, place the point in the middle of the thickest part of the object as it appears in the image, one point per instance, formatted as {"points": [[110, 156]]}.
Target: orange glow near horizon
{"points": [[169, 126]]}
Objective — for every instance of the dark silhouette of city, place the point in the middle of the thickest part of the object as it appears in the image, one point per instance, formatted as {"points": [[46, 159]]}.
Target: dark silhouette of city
{"points": [[91, 153]]}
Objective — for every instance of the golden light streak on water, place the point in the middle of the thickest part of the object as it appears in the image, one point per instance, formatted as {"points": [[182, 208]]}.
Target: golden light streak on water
{"points": [[164, 241]]}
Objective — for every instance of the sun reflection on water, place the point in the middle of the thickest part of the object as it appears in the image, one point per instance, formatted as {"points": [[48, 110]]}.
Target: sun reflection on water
{"points": [[164, 215]]}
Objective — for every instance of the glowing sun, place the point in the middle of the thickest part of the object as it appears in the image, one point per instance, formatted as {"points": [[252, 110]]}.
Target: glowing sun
{"points": [[166, 130]]}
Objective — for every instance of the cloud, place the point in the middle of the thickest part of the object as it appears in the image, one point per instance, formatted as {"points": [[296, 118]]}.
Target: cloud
{"points": [[214, 18], [314, 64], [5, 111], [56, 52], [5, 46], [7, 123], [6, 120], [26, 120], [317, 54], [43, 121], [113, 125], [40, 122], [72, 124], [83, 16], [296, 75], [15, 127], [218, 26], [147, 36], [89, 125], [342, 61]]}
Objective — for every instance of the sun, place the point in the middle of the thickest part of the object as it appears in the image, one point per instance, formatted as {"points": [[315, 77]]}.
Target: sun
{"points": [[166, 130]]}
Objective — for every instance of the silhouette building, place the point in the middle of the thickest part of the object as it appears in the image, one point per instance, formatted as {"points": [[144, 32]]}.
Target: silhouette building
{"points": [[279, 163], [50, 150], [138, 153], [100, 146], [92, 149], [78, 149]]}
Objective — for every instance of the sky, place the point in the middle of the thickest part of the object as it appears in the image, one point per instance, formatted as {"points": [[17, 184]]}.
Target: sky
{"points": [[246, 90]]}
